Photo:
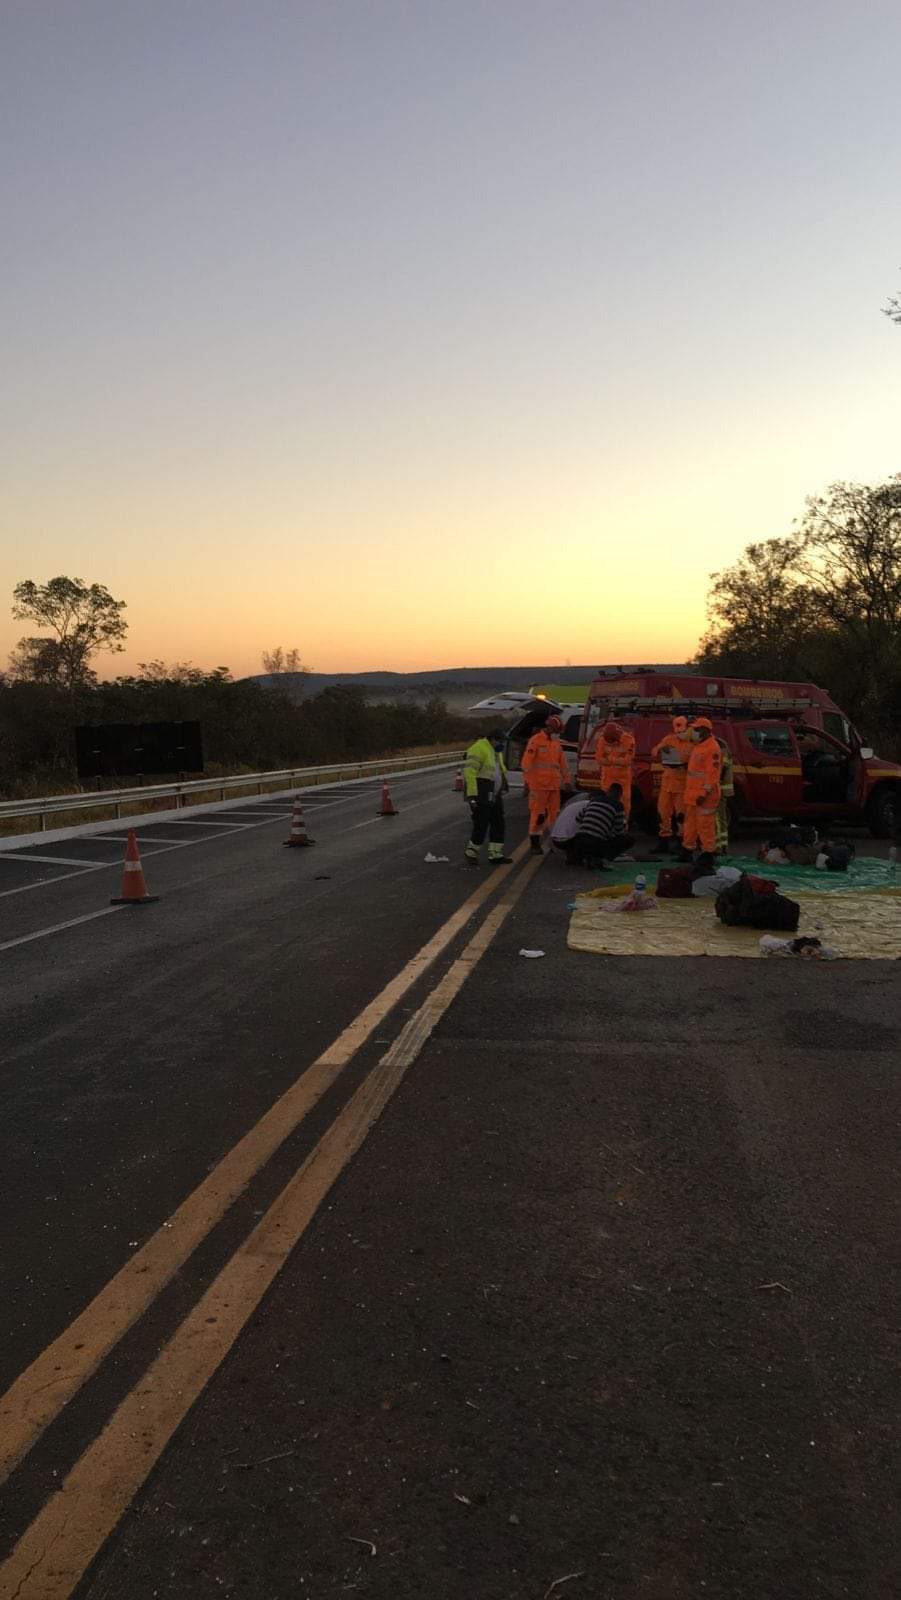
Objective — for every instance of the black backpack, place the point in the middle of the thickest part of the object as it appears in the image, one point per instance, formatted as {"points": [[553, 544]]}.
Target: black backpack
{"points": [[741, 906], [838, 856]]}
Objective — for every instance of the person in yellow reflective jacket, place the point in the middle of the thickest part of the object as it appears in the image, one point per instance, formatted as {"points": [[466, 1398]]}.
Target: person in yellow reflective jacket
{"points": [[545, 771], [673, 751], [484, 786]]}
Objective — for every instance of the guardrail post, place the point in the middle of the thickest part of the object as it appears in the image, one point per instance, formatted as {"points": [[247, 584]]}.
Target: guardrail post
{"points": [[113, 800]]}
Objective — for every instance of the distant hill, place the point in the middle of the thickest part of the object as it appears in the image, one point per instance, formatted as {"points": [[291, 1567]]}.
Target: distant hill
{"points": [[460, 687]]}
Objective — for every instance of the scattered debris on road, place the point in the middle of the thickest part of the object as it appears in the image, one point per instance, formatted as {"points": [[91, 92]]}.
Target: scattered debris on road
{"points": [[246, 1465], [567, 1578], [774, 1285], [368, 1543], [805, 946], [532, 954]]}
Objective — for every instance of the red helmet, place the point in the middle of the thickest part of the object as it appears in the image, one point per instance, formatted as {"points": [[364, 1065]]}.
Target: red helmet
{"points": [[554, 724], [703, 722], [611, 733]]}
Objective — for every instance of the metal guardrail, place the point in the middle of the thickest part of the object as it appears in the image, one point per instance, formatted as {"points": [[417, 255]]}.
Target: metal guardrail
{"points": [[287, 778]]}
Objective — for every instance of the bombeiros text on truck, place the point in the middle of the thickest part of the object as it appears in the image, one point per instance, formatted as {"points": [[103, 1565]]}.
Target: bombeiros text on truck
{"points": [[795, 753]]}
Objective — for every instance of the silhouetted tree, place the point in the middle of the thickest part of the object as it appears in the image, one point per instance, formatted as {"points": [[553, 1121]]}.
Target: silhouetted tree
{"points": [[82, 620], [279, 660], [760, 615], [822, 604]]}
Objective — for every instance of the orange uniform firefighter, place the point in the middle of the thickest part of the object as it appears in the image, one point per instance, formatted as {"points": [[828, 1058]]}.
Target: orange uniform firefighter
{"points": [[545, 771], [702, 788], [614, 752], [673, 751]]}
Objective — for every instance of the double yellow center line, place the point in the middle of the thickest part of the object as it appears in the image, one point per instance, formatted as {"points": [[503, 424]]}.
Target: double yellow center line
{"points": [[55, 1550]]}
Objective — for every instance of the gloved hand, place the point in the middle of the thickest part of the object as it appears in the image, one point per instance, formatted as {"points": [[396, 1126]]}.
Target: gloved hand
{"points": [[473, 804]]}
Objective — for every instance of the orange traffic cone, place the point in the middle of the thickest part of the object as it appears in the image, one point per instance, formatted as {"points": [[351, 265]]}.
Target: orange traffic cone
{"points": [[388, 808], [458, 782], [134, 889], [298, 834]]}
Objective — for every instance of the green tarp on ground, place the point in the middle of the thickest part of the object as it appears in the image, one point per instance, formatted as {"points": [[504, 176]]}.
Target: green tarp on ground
{"points": [[865, 874]]}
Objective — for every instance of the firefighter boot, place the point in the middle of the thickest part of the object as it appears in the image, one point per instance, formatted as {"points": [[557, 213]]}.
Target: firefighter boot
{"points": [[662, 847], [472, 854], [535, 842], [496, 857]]}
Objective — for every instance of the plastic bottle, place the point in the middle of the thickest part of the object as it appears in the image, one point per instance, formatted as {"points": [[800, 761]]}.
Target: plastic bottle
{"points": [[641, 884]]}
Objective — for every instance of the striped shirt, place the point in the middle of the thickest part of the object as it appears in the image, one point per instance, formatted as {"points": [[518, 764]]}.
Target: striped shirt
{"points": [[603, 818]]}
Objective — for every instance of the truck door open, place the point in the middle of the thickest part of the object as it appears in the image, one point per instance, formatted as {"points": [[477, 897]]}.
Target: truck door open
{"points": [[832, 778], [521, 732], [519, 735], [768, 767]]}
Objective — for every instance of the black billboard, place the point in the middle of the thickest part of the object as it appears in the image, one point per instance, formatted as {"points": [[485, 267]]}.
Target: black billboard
{"points": [[132, 750]]}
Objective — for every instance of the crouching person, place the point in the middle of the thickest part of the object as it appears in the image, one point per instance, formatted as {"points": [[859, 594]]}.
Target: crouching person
{"points": [[567, 824], [602, 835]]}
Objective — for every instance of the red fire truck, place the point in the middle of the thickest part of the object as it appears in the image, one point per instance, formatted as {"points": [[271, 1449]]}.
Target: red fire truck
{"points": [[795, 753]]}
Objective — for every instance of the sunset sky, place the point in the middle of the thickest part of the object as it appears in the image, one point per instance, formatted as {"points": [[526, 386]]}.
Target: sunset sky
{"points": [[427, 333]]}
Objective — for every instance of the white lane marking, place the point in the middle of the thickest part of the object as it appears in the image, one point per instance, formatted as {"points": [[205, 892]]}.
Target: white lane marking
{"points": [[61, 1369], [61, 877], [98, 866], [145, 838], [250, 817], [313, 799], [58, 927], [212, 809], [416, 806], [63, 861], [213, 823]]}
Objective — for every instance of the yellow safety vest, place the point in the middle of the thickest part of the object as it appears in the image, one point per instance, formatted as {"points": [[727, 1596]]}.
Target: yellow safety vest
{"points": [[481, 761]]}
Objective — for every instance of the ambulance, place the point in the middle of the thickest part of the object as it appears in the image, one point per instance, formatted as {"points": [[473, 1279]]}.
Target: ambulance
{"points": [[796, 755]]}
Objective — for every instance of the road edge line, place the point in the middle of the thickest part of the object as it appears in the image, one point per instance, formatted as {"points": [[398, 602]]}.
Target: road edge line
{"points": [[75, 1523], [37, 1396]]}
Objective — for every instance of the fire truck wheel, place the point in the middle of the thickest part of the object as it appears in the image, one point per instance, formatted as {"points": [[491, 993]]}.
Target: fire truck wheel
{"points": [[884, 812]]}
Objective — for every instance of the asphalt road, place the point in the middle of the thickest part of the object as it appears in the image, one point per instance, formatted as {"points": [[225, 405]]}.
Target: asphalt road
{"points": [[601, 1292]]}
